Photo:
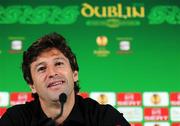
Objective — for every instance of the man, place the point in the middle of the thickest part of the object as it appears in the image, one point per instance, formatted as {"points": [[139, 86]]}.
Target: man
{"points": [[50, 68]]}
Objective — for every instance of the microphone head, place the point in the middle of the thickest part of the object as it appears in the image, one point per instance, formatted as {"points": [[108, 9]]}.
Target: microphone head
{"points": [[62, 98]]}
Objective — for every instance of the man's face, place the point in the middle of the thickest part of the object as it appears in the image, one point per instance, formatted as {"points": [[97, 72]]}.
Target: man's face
{"points": [[52, 75]]}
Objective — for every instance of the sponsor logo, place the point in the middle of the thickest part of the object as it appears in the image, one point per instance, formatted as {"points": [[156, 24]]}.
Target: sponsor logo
{"points": [[4, 99], [155, 114], [175, 98], [156, 124], [104, 97], [20, 98], [124, 45], [155, 99], [175, 124], [132, 114], [16, 46], [136, 124], [175, 113], [102, 42], [129, 99], [113, 16], [2, 111]]}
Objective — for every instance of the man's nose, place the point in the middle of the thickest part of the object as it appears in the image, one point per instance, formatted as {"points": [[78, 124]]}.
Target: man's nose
{"points": [[52, 72]]}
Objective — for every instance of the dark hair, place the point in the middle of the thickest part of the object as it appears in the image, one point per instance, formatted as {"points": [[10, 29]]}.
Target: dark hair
{"points": [[46, 42]]}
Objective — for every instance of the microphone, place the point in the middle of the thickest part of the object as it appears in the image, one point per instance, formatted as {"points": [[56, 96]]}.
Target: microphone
{"points": [[62, 100]]}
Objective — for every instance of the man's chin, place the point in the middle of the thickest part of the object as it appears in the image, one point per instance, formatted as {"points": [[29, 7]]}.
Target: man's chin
{"points": [[55, 100]]}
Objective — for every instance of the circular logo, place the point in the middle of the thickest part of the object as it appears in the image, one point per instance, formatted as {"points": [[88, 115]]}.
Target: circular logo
{"points": [[155, 99], [102, 40], [103, 99]]}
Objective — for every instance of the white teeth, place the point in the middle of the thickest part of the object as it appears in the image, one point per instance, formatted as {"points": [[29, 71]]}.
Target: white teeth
{"points": [[56, 83]]}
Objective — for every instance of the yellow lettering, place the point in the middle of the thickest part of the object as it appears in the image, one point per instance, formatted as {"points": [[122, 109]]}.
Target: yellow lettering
{"points": [[87, 10], [119, 10], [112, 11], [97, 12], [128, 11], [104, 11], [138, 14]]}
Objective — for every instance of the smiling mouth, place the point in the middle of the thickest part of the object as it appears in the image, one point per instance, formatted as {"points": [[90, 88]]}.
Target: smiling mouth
{"points": [[54, 84]]}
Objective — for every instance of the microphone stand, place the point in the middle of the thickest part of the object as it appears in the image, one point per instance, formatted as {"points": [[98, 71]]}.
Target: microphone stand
{"points": [[62, 100]]}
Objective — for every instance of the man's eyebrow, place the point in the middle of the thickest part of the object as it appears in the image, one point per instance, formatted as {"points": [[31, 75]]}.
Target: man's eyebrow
{"points": [[60, 58], [38, 64]]}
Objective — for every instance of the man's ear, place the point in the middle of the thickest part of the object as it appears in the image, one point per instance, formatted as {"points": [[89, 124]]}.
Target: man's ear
{"points": [[75, 76], [32, 88]]}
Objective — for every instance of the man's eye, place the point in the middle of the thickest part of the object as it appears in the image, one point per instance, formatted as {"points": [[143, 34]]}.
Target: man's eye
{"points": [[59, 63], [40, 69]]}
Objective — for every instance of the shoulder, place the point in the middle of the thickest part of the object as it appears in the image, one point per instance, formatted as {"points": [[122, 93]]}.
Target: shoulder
{"points": [[22, 108], [18, 114], [99, 108], [89, 103], [103, 114]]}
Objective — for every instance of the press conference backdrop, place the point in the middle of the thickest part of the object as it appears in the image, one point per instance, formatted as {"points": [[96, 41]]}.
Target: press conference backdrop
{"points": [[128, 52]]}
